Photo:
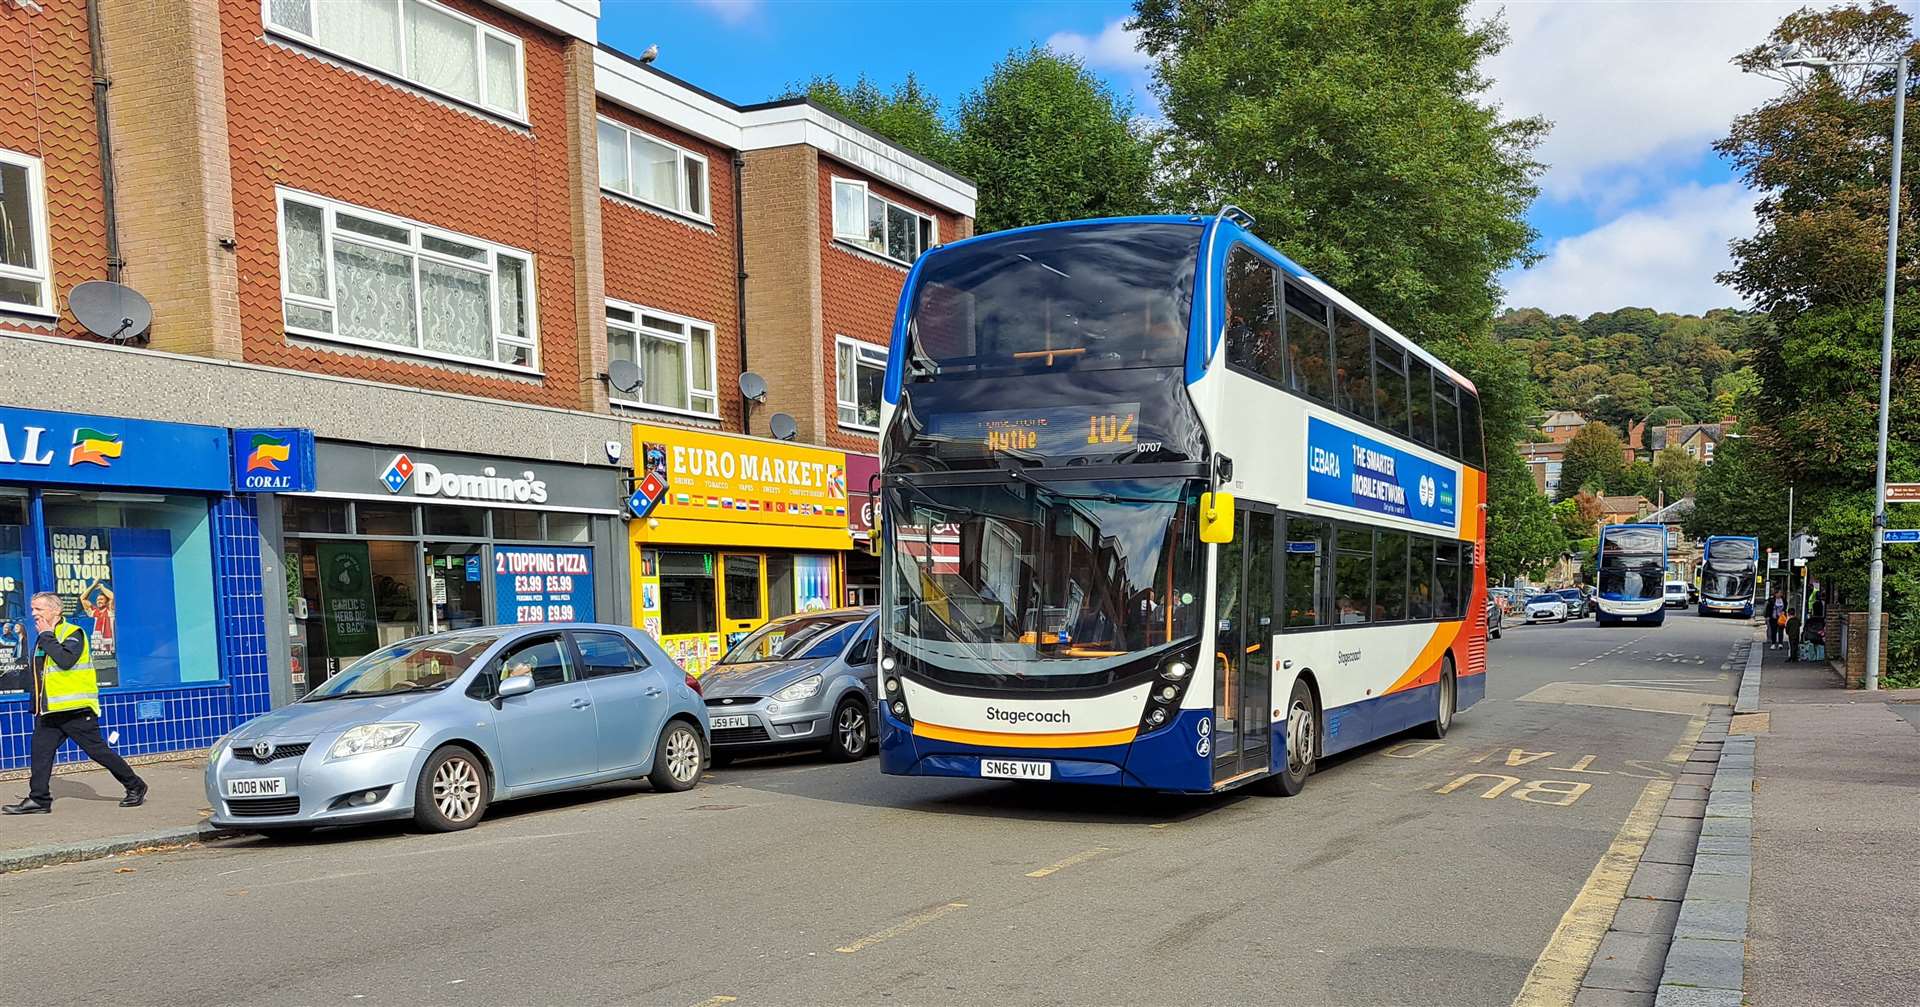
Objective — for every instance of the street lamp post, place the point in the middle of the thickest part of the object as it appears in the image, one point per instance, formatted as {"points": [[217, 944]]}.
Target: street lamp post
{"points": [[1877, 568]]}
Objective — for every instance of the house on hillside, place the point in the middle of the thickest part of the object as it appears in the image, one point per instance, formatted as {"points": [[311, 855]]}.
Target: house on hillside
{"points": [[1698, 440], [1624, 509], [1562, 424]]}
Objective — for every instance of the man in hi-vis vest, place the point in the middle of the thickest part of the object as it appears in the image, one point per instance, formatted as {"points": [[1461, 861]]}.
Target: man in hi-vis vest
{"points": [[66, 704]]}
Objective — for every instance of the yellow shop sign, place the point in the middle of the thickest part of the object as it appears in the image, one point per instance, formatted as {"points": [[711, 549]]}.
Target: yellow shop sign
{"points": [[742, 480]]}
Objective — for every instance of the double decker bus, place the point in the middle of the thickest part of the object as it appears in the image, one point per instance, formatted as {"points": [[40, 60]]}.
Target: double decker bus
{"points": [[1631, 566], [1161, 509], [1729, 571]]}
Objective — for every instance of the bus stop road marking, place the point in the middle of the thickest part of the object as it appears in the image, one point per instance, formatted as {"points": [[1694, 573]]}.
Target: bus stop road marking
{"points": [[911, 923], [1683, 748], [1556, 974], [716, 1001], [1620, 697], [1060, 865]]}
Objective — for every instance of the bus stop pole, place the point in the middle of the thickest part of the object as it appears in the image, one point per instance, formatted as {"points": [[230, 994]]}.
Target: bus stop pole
{"points": [[1876, 569]]}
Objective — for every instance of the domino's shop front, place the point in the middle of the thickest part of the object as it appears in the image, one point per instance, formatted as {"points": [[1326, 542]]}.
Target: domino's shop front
{"points": [[151, 534], [394, 542]]}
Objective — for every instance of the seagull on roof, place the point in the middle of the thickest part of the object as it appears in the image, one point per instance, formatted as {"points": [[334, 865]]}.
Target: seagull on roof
{"points": [[652, 53]]}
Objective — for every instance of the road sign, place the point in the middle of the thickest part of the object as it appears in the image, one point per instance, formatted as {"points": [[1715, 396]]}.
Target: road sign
{"points": [[1903, 492], [1773, 560], [1900, 535]]}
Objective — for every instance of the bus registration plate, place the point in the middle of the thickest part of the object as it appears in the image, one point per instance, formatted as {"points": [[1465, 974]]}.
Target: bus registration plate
{"points": [[1009, 769]]}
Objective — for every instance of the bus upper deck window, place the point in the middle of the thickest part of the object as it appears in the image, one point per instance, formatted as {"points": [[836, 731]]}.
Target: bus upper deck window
{"points": [[1309, 345], [1353, 377]]}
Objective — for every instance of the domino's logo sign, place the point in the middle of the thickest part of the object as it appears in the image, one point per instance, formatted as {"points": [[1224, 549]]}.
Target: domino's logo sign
{"points": [[398, 472], [1427, 491]]}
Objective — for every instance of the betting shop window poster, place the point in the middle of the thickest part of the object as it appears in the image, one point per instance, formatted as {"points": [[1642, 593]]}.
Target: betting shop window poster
{"points": [[16, 625], [83, 578]]}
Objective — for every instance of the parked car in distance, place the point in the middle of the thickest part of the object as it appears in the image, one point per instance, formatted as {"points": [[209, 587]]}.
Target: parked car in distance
{"points": [[436, 728], [1496, 620], [1677, 594], [1576, 602], [803, 681], [1502, 597], [1546, 608]]}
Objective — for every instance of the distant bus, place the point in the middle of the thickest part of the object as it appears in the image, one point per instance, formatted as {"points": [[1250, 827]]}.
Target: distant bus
{"points": [[1729, 568], [1164, 510], [1632, 567]]}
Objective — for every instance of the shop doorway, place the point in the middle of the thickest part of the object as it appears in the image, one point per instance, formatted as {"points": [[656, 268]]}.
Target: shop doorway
{"points": [[457, 599], [743, 595]]}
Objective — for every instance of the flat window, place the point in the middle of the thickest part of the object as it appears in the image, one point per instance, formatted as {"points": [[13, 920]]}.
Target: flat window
{"points": [[859, 370], [675, 356], [1472, 449], [1353, 380], [1420, 397], [1309, 546], [422, 42], [1420, 593], [1389, 387], [26, 284], [1446, 417], [1253, 345], [543, 659], [1390, 576], [687, 603], [879, 225], [652, 171], [1353, 577], [363, 277], [1309, 342], [603, 654]]}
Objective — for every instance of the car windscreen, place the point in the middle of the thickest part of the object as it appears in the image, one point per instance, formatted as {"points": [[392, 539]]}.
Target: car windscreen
{"points": [[800, 638], [427, 662]]}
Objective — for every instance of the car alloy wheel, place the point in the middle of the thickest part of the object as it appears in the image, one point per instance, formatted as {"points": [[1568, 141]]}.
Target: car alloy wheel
{"points": [[456, 789], [683, 756], [851, 729]]}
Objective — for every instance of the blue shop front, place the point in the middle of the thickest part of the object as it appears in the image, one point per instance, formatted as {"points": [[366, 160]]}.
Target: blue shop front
{"points": [[150, 533]]}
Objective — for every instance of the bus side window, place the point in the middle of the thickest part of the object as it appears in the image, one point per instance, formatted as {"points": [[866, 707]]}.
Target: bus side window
{"points": [[1420, 593], [1446, 418], [1390, 386], [1309, 346], [1353, 381], [1449, 590], [1420, 396], [1353, 577], [1390, 576], [1305, 573], [1252, 344]]}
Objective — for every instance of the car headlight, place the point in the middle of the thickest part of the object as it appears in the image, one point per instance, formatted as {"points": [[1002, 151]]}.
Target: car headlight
{"points": [[371, 738], [806, 688]]}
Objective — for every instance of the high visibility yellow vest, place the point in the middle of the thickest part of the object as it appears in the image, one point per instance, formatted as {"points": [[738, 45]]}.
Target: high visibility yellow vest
{"points": [[75, 688]]}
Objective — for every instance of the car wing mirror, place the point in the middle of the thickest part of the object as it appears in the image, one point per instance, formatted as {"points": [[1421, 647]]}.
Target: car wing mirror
{"points": [[517, 685]]}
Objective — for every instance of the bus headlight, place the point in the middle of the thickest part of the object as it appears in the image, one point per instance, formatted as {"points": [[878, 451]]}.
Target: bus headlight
{"points": [[1163, 700], [1176, 671]]}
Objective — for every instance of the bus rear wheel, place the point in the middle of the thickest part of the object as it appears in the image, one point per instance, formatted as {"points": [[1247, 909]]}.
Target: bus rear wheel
{"points": [[1444, 705], [1302, 741]]}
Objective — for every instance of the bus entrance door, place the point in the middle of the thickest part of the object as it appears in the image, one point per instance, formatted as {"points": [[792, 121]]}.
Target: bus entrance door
{"points": [[1243, 649]]}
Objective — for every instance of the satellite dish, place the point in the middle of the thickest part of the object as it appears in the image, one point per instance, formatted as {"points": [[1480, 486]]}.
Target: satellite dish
{"points": [[753, 386], [624, 376], [784, 426], [110, 310]]}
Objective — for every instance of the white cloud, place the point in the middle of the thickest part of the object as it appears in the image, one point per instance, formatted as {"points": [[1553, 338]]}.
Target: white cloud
{"points": [[1115, 48], [733, 12], [1633, 89], [1662, 256]]}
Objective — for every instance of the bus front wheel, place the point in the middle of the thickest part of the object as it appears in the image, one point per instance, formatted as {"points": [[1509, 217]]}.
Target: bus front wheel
{"points": [[1302, 741]]}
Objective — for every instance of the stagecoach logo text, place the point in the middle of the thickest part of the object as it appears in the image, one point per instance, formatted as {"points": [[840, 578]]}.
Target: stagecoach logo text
{"points": [[1349, 656], [1029, 716]]}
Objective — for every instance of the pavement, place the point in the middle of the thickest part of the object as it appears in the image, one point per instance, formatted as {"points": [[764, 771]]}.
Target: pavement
{"points": [[1836, 832], [1485, 868], [88, 822]]}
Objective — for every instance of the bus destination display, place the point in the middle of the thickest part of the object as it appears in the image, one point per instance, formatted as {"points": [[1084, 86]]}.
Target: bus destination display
{"points": [[1050, 431]]}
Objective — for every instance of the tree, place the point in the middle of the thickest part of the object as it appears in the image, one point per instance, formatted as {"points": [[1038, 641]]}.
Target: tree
{"points": [[1578, 515], [1594, 458], [1045, 140], [908, 115], [1359, 137], [1676, 473], [1661, 416], [1741, 493], [1522, 535], [1635, 479]]}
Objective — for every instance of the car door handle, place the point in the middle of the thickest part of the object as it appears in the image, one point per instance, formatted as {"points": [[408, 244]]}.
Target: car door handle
{"points": [[651, 691], [581, 704]]}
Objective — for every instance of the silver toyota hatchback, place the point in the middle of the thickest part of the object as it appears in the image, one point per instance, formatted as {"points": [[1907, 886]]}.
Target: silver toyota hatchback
{"points": [[803, 681]]}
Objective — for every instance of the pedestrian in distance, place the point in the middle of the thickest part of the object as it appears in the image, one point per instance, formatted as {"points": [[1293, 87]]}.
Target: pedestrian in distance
{"points": [[1793, 635], [66, 705], [1777, 620]]}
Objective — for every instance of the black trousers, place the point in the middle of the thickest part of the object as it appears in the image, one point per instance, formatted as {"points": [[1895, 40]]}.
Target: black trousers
{"points": [[84, 728]]}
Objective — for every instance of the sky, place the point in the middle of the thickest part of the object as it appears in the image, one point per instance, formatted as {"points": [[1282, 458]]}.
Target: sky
{"points": [[1635, 209]]}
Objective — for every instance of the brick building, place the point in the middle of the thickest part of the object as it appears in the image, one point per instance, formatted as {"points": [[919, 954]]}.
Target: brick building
{"points": [[422, 233]]}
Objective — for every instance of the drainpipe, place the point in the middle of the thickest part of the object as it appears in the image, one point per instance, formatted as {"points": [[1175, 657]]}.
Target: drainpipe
{"points": [[740, 287], [100, 85]]}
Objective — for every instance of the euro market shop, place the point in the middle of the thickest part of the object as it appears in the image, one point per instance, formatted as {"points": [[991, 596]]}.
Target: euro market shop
{"points": [[152, 534], [741, 530], [397, 541]]}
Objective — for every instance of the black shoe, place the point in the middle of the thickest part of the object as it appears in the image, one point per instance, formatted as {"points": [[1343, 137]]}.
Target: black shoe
{"points": [[136, 796], [28, 806]]}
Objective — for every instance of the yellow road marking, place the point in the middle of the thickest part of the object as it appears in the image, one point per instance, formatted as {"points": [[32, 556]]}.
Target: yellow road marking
{"points": [[1684, 747], [716, 1001], [1556, 974], [913, 922], [1061, 865]]}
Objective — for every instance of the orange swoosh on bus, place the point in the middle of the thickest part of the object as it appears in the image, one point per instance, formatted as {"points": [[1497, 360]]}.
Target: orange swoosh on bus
{"points": [[1429, 659], [1003, 739]]}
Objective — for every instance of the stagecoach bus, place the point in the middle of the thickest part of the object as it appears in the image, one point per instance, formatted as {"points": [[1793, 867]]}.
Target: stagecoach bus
{"points": [[1729, 569], [1631, 565], [1162, 509]]}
